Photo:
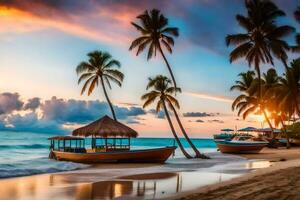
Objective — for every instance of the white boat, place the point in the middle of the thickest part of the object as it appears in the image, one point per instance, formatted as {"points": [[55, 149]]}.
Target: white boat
{"points": [[241, 144]]}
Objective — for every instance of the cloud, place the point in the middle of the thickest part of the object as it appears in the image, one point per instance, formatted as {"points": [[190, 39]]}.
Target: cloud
{"points": [[30, 123], [32, 104], [206, 23], [210, 97], [75, 111], [53, 114], [160, 115], [216, 121], [10, 102], [197, 114]]}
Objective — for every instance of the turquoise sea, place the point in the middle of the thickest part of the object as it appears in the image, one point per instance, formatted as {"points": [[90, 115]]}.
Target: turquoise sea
{"points": [[23, 153]]}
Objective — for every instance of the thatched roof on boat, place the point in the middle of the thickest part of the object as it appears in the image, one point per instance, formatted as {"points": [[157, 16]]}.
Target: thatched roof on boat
{"points": [[65, 138], [105, 127]]}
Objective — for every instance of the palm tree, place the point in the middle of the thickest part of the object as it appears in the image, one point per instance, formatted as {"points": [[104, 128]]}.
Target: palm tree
{"points": [[155, 33], [248, 102], [100, 68], [262, 38], [244, 84], [289, 89], [162, 91]]}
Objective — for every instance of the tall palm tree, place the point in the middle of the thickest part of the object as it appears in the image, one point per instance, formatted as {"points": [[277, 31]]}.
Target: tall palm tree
{"points": [[155, 34], [262, 39], [100, 67], [162, 91]]}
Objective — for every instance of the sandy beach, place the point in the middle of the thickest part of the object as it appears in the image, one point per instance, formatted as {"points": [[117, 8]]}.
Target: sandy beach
{"points": [[279, 181], [226, 176], [129, 181]]}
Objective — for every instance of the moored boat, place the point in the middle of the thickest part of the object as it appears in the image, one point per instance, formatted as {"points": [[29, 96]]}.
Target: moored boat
{"points": [[110, 143], [158, 155], [241, 144], [226, 134]]}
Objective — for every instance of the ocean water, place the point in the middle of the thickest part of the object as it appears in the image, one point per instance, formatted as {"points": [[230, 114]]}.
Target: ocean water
{"points": [[24, 153]]}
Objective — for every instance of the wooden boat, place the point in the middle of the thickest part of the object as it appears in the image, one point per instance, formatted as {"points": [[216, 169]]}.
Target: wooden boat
{"points": [[110, 143], [158, 155], [241, 144]]}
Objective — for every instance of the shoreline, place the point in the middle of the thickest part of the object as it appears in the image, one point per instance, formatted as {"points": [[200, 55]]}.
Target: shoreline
{"points": [[285, 162], [177, 179]]}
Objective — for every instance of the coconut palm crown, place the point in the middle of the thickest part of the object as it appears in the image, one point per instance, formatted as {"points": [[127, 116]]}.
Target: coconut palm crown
{"points": [[100, 67], [155, 34], [262, 39]]}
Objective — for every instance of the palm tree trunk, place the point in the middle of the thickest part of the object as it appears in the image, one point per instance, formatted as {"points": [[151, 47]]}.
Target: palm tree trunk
{"points": [[288, 145], [174, 133], [261, 99], [168, 65], [198, 154], [259, 81], [107, 99], [269, 123]]}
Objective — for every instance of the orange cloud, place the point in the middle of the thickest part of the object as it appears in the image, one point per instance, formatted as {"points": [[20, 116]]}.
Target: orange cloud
{"points": [[14, 20], [210, 97]]}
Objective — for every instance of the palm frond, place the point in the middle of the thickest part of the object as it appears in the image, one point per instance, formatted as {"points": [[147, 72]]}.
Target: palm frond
{"points": [[93, 85], [113, 79], [240, 51], [112, 63], [173, 90], [138, 42], [171, 31], [114, 73], [84, 76], [139, 28], [86, 84], [172, 101], [107, 82], [237, 39], [159, 105], [167, 46], [84, 67]]}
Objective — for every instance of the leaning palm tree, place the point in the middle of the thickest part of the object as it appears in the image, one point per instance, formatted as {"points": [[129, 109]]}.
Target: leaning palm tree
{"points": [[100, 67], [262, 39], [155, 34], [162, 91]]}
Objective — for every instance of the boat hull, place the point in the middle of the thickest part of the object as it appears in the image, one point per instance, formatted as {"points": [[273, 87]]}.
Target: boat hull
{"points": [[158, 155], [240, 148]]}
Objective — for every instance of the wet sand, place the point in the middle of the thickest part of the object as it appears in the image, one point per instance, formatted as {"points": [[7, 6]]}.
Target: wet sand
{"points": [[127, 181], [178, 178], [280, 181]]}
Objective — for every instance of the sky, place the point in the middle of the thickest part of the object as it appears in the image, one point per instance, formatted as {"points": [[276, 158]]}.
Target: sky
{"points": [[42, 42]]}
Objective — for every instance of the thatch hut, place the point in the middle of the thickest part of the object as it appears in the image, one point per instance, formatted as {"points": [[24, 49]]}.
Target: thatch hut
{"points": [[107, 134]]}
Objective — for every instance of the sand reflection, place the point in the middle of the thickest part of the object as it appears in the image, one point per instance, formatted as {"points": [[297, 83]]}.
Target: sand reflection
{"points": [[76, 186]]}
